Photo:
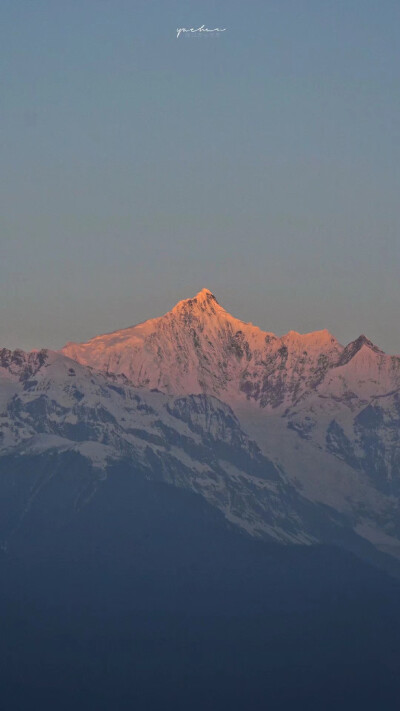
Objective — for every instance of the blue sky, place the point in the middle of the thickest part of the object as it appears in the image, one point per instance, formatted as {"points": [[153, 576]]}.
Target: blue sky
{"points": [[137, 168]]}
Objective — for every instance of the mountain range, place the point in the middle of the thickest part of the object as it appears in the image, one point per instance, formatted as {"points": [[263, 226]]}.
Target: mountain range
{"points": [[198, 514], [294, 438]]}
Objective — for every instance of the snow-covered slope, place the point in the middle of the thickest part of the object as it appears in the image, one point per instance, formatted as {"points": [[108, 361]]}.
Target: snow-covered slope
{"points": [[54, 407]]}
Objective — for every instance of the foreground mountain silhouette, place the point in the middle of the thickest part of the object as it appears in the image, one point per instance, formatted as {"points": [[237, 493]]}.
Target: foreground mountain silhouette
{"points": [[145, 598]]}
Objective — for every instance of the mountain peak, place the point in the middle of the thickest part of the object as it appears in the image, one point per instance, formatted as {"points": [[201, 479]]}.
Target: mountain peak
{"points": [[203, 299], [205, 294], [355, 346], [364, 341]]}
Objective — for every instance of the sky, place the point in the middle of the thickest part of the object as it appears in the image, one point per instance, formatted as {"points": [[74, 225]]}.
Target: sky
{"points": [[137, 168]]}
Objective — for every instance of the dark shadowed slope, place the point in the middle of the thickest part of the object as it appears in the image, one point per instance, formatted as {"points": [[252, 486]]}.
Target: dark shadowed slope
{"points": [[148, 598]]}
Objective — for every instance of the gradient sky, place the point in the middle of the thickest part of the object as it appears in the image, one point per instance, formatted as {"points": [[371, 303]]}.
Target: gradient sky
{"points": [[137, 168]]}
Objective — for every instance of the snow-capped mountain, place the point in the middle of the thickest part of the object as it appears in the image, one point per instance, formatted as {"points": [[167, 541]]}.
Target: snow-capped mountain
{"points": [[294, 438], [200, 347], [342, 401]]}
